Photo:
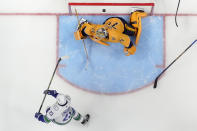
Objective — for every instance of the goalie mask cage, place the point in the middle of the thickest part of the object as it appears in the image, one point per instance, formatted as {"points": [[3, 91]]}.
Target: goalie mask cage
{"points": [[108, 8]]}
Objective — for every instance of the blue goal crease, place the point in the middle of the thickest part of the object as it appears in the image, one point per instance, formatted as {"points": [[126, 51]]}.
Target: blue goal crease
{"points": [[109, 70]]}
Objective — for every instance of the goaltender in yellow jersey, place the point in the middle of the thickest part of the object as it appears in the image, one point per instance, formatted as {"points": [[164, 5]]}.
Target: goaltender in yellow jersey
{"points": [[115, 30]]}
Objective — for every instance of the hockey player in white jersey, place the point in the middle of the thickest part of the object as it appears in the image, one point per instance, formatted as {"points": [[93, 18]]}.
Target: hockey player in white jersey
{"points": [[61, 112]]}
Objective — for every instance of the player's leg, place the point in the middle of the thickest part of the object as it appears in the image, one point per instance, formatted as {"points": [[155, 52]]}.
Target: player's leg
{"points": [[130, 50], [135, 21], [128, 44], [78, 117], [135, 16]]}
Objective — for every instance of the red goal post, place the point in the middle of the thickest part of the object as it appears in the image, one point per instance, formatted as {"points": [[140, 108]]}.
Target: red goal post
{"points": [[108, 8]]}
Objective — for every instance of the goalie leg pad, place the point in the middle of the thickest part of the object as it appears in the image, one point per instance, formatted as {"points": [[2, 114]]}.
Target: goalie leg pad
{"points": [[135, 20], [130, 51]]}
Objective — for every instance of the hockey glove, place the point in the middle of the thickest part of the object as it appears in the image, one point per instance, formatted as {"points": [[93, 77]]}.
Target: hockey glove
{"points": [[81, 22], [51, 92], [41, 117], [37, 114]]}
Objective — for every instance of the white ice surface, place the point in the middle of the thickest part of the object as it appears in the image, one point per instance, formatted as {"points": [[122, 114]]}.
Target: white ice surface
{"points": [[28, 54]]}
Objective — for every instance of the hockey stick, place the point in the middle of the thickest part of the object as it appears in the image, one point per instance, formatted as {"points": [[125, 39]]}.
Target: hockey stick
{"points": [[155, 83], [61, 58], [83, 41], [176, 13]]}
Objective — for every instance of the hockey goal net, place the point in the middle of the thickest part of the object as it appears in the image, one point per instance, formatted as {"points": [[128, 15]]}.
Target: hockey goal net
{"points": [[108, 8]]}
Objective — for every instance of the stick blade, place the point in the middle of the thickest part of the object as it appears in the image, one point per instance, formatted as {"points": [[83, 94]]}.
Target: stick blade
{"points": [[64, 57], [155, 83]]}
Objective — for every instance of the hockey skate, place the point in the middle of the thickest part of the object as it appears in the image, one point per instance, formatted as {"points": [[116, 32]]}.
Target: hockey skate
{"points": [[86, 119], [135, 9]]}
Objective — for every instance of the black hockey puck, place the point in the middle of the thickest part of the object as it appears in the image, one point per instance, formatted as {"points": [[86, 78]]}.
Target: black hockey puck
{"points": [[103, 10]]}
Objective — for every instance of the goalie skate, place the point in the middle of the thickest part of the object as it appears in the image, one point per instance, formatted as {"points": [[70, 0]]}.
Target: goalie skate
{"points": [[133, 9]]}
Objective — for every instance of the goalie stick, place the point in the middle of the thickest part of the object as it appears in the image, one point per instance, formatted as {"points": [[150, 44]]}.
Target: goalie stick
{"points": [[61, 58], [155, 82], [84, 45]]}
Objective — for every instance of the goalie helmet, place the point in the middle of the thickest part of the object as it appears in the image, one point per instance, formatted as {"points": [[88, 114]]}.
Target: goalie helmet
{"points": [[102, 33], [62, 99]]}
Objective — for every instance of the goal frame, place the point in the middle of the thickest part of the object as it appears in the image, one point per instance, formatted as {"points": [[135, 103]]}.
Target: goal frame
{"points": [[74, 4]]}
